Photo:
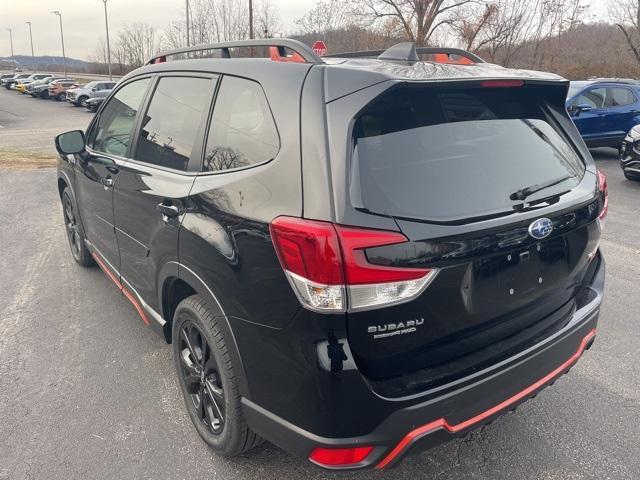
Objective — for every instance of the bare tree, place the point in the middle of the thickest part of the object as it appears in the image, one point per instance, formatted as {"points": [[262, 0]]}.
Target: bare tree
{"points": [[418, 20], [267, 18], [626, 15], [173, 36], [473, 23], [325, 17], [137, 43], [99, 54]]}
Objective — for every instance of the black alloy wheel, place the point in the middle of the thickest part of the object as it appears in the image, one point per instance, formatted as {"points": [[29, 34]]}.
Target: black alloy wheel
{"points": [[200, 377], [208, 378], [71, 226], [75, 234]]}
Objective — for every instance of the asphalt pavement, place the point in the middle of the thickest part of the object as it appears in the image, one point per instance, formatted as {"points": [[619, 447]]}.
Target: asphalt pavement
{"points": [[28, 123], [88, 392]]}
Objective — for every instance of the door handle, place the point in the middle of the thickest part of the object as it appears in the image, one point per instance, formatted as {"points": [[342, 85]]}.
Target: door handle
{"points": [[107, 182], [170, 211]]}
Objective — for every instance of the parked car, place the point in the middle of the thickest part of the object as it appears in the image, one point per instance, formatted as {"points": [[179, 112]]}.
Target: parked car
{"points": [[23, 84], [6, 76], [630, 154], [58, 88], [349, 257], [93, 104], [79, 95], [10, 82], [604, 110], [40, 88]]}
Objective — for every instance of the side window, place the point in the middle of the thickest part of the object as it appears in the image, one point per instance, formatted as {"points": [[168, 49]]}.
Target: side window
{"points": [[171, 124], [242, 131], [594, 97], [619, 96], [115, 126]]}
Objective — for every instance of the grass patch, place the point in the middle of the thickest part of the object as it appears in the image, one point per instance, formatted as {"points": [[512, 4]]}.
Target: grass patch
{"points": [[26, 160]]}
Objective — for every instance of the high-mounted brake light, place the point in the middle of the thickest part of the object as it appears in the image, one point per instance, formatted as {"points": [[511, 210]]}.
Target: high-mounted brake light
{"points": [[339, 457], [501, 83], [328, 269], [603, 187]]}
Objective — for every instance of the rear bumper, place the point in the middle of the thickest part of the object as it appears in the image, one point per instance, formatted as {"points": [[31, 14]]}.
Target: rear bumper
{"points": [[451, 410]]}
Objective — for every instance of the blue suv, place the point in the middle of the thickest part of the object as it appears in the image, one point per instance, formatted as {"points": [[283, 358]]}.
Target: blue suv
{"points": [[604, 110]]}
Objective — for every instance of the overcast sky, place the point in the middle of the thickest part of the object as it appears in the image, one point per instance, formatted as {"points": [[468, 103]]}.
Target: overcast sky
{"points": [[83, 21]]}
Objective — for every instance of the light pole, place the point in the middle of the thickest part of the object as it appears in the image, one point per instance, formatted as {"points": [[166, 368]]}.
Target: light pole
{"points": [[251, 19], [187, 8], [64, 56], [106, 25], [30, 38], [13, 60]]}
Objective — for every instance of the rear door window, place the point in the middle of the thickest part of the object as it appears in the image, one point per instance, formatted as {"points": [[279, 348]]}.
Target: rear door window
{"points": [[170, 126], [452, 154], [619, 96]]}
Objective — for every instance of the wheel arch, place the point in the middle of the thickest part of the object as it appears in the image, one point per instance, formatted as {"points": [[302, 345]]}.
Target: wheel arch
{"points": [[177, 282]]}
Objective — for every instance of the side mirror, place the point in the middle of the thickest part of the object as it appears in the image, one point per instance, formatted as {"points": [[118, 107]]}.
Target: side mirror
{"points": [[94, 89], [583, 107], [70, 142]]}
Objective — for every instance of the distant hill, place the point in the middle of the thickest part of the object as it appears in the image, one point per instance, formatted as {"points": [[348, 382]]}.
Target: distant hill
{"points": [[46, 62]]}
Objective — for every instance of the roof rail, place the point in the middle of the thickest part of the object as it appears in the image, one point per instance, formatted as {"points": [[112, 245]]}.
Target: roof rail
{"points": [[281, 44], [631, 81], [408, 52]]}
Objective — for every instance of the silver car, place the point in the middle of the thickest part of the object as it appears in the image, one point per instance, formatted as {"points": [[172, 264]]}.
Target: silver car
{"points": [[78, 96]]}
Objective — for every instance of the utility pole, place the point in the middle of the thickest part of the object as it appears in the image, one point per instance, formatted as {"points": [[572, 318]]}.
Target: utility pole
{"points": [[251, 36], [187, 8], [30, 38], [106, 25], [13, 60], [64, 56]]}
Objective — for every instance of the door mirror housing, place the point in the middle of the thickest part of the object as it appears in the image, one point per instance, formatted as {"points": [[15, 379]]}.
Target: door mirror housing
{"points": [[70, 142], [583, 107]]}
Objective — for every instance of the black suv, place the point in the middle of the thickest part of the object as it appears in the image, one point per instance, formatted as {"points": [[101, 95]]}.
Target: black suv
{"points": [[352, 255]]}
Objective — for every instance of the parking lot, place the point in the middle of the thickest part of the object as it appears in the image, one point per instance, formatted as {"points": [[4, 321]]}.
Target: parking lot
{"points": [[87, 391]]}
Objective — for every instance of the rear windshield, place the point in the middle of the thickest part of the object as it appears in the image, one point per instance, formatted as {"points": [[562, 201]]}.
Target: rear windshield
{"points": [[449, 154]]}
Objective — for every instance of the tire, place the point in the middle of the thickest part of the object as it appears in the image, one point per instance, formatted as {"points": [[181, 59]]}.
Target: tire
{"points": [[59, 97], [631, 176], [82, 101], [44, 96], [75, 233], [206, 372]]}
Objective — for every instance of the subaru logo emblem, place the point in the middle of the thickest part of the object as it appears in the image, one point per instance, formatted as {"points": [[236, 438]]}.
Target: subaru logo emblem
{"points": [[541, 228]]}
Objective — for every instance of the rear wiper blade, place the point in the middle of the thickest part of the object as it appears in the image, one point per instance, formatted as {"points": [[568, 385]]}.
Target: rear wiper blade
{"points": [[528, 191]]}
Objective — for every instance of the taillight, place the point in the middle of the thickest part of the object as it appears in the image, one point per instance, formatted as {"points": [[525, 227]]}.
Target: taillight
{"points": [[329, 271], [340, 457], [603, 187]]}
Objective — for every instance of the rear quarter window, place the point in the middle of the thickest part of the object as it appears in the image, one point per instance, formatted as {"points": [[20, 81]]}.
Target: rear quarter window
{"points": [[242, 131], [449, 154]]}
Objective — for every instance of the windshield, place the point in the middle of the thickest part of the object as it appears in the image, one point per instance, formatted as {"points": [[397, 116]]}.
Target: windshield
{"points": [[452, 154]]}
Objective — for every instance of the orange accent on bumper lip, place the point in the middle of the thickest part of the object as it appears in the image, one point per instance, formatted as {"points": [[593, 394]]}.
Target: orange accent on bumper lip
{"points": [[121, 287], [419, 432]]}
